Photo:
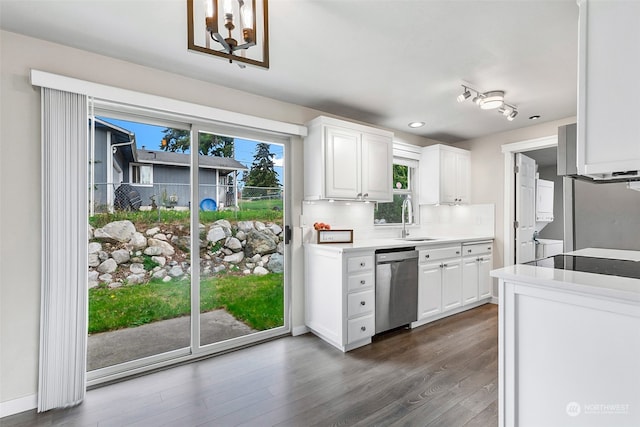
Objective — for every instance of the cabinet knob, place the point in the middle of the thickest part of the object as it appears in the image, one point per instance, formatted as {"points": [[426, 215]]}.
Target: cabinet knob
{"points": [[363, 328], [445, 265], [362, 282], [363, 303], [365, 195], [480, 259], [362, 264], [469, 250], [457, 252], [426, 256], [441, 265]]}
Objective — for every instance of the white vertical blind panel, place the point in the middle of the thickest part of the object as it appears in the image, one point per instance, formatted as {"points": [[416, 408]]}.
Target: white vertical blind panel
{"points": [[63, 320]]}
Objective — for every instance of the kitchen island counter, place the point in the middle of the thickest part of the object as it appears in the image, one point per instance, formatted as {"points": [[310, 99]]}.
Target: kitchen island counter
{"points": [[568, 345]]}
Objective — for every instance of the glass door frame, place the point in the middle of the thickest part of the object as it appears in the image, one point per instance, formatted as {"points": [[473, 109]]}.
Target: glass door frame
{"points": [[245, 340], [196, 350]]}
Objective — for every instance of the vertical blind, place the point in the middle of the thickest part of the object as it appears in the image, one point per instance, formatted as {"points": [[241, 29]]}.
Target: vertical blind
{"points": [[63, 311]]}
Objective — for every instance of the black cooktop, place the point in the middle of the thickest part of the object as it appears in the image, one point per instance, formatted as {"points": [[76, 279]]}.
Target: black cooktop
{"points": [[611, 267]]}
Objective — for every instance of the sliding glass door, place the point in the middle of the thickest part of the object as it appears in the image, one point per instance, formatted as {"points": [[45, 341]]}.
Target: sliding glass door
{"points": [[241, 212], [187, 241]]}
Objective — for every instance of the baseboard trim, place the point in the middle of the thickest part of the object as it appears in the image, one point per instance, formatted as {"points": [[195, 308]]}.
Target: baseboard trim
{"points": [[494, 300], [299, 330], [15, 406]]}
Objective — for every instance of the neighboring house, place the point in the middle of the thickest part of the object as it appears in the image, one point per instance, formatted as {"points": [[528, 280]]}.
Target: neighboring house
{"points": [[161, 178]]}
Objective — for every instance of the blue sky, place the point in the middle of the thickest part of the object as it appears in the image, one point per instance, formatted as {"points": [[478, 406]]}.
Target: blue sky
{"points": [[150, 136]]}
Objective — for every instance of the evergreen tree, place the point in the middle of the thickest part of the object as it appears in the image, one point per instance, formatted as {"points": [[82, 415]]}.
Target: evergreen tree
{"points": [[177, 140], [262, 172]]}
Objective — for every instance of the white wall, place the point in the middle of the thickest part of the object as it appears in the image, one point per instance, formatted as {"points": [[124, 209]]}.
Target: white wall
{"points": [[487, 171], [20, 179]]}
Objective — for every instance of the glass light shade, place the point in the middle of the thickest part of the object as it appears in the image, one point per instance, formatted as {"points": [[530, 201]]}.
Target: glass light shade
{"points": [[492, 100], [209, 8], [246, 15]]}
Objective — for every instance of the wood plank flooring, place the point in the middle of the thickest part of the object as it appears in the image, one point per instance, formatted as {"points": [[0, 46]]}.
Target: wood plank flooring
{"points": [[441, 374]]}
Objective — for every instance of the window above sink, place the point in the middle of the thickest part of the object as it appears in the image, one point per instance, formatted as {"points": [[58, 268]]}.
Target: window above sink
{"points": [[405, 176]]}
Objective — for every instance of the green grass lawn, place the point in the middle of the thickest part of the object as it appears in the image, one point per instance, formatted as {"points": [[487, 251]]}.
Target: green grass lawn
{"points": [[256, 300]]}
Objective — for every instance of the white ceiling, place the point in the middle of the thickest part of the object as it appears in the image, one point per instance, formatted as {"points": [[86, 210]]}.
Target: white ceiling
{"points": [[384, 62]]}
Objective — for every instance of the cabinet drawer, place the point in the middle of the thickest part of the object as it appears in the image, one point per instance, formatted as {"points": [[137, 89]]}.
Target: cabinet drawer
{"points": [[360, 303], [360, 328], [477, 249], [360, 281], [428, 255], [359, 263]]}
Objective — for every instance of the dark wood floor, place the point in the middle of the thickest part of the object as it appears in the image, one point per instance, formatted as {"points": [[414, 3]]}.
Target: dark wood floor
{"points": [[442, 374]]}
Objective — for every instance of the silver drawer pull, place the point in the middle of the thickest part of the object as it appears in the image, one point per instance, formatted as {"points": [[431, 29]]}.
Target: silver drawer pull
{"points": [[469, 250], [362, 282], [363, 328], [362, 303], [426, 256], [362, 264], [457, 252], [445, 265]]}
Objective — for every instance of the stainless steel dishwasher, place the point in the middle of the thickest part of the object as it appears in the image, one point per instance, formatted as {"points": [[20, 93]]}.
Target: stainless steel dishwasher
{"points": [[396, 288]]}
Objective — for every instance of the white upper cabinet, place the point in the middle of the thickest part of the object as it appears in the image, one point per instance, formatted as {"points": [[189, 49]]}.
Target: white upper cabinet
{"points": [[347, 161], [444, 175], [608, 89]]}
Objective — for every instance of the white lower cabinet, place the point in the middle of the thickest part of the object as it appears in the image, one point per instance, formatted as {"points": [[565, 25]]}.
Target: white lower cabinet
{"points": [[439, 280], [340, 296], [476, 264], [450, 282], [429, 290]]}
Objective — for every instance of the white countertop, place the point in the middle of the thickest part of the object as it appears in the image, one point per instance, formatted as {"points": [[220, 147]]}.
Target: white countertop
{"points": [[620, 288], [391, 242]]}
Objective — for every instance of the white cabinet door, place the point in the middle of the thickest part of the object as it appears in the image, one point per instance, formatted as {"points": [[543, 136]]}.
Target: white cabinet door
{"points": [[608, 92], [444, 175], [469, 280], [463, 177], [342, 167], [377, 174], [484, 279], [448, 177], [429, 290], [451, 284]]}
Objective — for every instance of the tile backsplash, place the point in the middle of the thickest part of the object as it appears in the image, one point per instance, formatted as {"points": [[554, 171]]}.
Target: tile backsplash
{"points": [[434, 221]]}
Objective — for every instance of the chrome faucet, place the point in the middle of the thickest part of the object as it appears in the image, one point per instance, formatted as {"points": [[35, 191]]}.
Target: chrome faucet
{"points": [[407, 207]]}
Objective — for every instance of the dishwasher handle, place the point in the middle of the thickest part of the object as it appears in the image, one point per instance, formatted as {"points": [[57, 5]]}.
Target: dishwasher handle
{"points": [[384, 258]]}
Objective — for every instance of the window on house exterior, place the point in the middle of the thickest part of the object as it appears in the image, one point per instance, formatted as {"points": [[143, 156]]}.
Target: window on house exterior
{"points": [[141, 174], [404, 178]]}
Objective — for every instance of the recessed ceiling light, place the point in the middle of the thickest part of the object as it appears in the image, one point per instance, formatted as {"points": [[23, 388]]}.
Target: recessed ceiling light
{"points": [[535, 117], [416, 124]]}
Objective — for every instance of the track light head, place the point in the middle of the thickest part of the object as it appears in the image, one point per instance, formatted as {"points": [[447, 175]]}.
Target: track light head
{"points": [[513, 115], [464, 95]]}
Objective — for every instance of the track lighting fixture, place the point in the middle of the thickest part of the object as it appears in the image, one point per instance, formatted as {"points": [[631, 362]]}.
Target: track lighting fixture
{"points": [[490, 101]]}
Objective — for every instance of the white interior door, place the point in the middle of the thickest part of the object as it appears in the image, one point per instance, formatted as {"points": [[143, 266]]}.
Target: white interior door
{"points": [[525, 208]]}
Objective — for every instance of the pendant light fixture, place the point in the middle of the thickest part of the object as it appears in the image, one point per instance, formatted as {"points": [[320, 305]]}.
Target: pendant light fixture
{"points": [[236, 30], [489, 101]]}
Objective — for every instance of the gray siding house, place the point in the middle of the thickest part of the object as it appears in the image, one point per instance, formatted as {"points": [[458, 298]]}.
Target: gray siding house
{"points": [[159, 178]]}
